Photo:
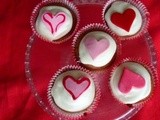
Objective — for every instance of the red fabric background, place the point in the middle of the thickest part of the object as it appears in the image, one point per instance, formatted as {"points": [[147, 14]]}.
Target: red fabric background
{"points": [[16, 100]]}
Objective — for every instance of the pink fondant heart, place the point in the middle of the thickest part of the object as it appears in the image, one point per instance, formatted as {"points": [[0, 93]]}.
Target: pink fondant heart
{"points": [[124, 20], [96, 47], [53, 22], [130, 79], [76, 87]]}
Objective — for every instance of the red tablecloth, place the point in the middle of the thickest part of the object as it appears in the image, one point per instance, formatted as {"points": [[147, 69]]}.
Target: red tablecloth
{"points": [[16, 100]]}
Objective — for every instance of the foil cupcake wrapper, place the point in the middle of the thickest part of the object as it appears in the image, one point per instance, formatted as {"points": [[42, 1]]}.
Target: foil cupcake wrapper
{"points": [[64, 3], [76, 115]]}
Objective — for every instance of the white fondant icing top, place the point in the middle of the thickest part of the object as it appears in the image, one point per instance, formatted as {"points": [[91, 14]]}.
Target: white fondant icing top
{"points": [[63, 28], [120, 7], [63, 98], [102, 59]]}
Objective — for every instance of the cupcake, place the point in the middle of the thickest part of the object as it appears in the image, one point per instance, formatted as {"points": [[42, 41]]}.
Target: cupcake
{"points": [[94, 47], [132, 82], [73, 92], [55, 21], [126, 18]]}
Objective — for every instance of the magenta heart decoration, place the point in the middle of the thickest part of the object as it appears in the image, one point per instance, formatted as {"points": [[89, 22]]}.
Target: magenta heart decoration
{"points": [[76, 87], [129, 80], [53, 22], [96, 47], [119, 19]]}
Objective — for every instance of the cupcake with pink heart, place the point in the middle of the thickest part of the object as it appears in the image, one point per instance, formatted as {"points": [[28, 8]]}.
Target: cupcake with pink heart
{"points": [[55, 21], [94, 47], [132, 81], [126, 18], [73, 92]]}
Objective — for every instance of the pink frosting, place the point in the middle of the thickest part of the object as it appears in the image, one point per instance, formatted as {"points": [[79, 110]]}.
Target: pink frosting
{"points": [[129, 79], [96, 47], [53, 22], [76, 87]]}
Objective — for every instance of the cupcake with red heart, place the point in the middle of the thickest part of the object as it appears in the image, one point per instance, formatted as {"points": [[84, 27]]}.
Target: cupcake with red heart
{"points": [[94, 47], [126, 18], [73, 92], [55, 21], [132, 82]]}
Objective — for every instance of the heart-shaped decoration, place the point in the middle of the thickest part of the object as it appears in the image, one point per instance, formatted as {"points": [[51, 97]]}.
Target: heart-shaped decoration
{"points": [[76, 87], [53, 22], [96, 47], [124, 20], [129, 80]]}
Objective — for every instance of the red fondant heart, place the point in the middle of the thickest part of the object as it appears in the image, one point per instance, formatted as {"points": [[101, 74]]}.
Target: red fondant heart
{"points": [[76, 87], [53, 22], [96, 47], [130, 79], [124, 20]]}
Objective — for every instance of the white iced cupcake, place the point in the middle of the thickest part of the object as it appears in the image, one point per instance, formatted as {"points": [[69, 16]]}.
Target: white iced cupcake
{"points": [[132, 82], [94, 47], [73, 92], [55, 21], [126, 19]]}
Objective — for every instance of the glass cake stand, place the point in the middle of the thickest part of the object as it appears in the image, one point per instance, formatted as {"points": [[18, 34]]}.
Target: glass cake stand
{"points": [[43, 60]]}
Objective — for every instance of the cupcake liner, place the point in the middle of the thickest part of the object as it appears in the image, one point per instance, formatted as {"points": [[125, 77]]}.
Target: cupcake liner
{"points": [[61, 3], [151, 70], [143, 12], [84, 31], [73, 115]]}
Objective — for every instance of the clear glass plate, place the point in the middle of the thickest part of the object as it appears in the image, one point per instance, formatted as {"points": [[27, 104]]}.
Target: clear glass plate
{"points": [[43, 59]]}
